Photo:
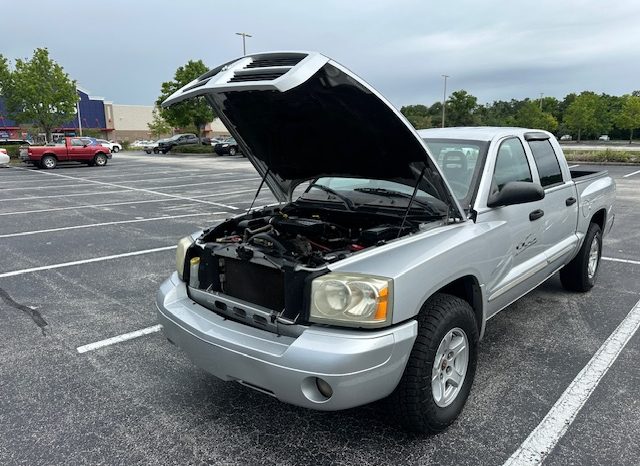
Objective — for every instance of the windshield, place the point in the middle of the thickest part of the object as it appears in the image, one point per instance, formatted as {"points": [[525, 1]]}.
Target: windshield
{"points": [[460, 161], [365, 192]]}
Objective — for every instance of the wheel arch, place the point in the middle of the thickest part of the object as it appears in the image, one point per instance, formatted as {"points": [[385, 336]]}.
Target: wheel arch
{"points": [[50, 154], [468, 289], [600, 218]]}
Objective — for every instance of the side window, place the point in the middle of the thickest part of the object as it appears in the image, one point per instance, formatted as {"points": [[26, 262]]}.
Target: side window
{"points": [[511, 164], [77, 142], [547, 162]]}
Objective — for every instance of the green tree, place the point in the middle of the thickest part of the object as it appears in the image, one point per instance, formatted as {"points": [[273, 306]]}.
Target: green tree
{"points": [[158, 126], [418, 115], [629, 116], [38, 91], [582, 114], [530, 116], [460, 110], [188, 112]]}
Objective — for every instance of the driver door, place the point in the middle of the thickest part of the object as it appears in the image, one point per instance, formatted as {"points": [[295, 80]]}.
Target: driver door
{"points": [[78, 150]]}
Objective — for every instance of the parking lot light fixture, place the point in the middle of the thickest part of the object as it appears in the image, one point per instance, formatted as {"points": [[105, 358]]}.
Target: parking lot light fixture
{"points": [[244, 44]]}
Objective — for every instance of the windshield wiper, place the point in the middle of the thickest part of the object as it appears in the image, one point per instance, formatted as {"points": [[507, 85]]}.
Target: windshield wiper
{"points": [[346, 201], [390, 193]]}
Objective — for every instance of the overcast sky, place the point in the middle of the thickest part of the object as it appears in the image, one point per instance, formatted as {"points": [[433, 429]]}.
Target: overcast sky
{"points": [[122, 50]]}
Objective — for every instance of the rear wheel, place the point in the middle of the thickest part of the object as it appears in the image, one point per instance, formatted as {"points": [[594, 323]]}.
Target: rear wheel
{"points": [[440, 370], [581, 273], [115, 149], [48, 162], [100, 160]]}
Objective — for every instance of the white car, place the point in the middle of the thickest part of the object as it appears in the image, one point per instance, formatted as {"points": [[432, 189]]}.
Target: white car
{"points": [[113, 146], [4, 158], [566, 137], [604, 137]]}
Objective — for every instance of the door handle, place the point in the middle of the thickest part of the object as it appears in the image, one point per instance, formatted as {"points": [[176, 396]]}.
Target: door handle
{"points": [[570, 201], [536, 214]]}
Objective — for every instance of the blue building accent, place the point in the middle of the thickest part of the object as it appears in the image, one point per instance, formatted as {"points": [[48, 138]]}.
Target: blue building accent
{"points": [[92, 116]]}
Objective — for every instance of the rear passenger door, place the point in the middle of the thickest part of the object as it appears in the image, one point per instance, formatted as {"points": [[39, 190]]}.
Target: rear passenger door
{"points": [[560, 201]]}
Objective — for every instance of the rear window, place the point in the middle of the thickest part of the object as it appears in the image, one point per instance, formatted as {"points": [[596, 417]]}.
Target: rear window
{"points": [[547, 162]]}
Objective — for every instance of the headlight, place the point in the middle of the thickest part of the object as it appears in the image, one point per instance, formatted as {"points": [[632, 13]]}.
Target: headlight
{"points": [[351, 300], [181, 252], [225, 145]]}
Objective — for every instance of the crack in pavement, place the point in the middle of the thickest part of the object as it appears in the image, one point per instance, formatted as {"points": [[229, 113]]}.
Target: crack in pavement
{"points": [[34, 314]]}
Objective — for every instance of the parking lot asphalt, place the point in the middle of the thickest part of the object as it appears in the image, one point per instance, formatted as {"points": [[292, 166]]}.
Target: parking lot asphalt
{"points": [[83, 251]]}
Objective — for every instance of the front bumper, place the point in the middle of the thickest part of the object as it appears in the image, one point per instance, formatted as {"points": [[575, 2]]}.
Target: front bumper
{"points": [[360, 366]]}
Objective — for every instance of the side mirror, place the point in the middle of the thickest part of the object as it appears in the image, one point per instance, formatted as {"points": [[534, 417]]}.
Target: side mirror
{"points": [[516, 192]]}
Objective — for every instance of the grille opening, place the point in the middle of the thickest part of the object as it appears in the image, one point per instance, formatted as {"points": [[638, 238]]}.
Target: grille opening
{"points": [[268, 76], [253, 283], [259, 319], [274, 61], [220, 305], [239, 312]]}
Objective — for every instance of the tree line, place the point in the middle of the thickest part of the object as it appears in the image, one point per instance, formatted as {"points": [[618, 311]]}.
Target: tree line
{"points": [[582, 116]]}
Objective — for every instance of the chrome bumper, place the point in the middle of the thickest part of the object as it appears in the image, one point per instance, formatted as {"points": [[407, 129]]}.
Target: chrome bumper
{"points": [[360, 366]]}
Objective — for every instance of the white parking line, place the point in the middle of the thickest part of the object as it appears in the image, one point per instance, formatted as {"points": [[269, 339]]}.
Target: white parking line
{"points": [[103, 224], [118, 339], [13, 273], [129, 174], [631, 174], [546, 435], [157, 192], [91, 182], [111, 204], [56, 196], [625, 261]]}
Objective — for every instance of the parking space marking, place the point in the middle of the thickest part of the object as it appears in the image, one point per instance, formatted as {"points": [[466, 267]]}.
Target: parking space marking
{"points": [[156, 192], [13, 273], [119, 222], [631, 174], [119, 339], [546, 435], [129, 174], [625, 261], [56, 196], [111, 204]]}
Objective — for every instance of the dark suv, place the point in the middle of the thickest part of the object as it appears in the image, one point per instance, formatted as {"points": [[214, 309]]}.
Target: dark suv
{"points": [[166, 145]]}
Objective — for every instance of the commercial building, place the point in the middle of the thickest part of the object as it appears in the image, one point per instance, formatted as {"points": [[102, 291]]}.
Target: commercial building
{"points": [[100, 118]]}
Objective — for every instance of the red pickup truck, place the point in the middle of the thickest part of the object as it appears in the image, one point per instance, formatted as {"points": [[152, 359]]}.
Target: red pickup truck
{"points": [[74, 149]]}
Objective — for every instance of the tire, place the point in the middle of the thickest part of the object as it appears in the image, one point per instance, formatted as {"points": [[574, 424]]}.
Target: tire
{"points": [[49, 162], [148, 151], [115, 150], [582, 272], [100, 160], [156, 151], [420, 402], [232, 151]]}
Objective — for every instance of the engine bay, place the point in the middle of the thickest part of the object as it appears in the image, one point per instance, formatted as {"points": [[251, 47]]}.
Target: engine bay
{"points": [[311, 237]]}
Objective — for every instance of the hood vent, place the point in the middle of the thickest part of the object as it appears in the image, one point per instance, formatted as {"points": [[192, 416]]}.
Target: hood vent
{"points": [[263, 75], [274, 61]]}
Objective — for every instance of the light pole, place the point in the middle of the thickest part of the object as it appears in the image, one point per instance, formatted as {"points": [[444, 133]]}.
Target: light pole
{"points": [[541, 94], [244, 45], [444, 96], [79, 118]]}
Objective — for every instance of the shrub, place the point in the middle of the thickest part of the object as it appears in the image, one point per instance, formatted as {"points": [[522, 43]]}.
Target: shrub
{"points": [[13, 150], [193, 149], [607, 155]]}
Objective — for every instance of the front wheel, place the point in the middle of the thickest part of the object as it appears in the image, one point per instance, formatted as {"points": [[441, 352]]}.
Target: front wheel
{"points": [[48, 162], [440, 370], [581, 273], [115, 150], [100, 160]]}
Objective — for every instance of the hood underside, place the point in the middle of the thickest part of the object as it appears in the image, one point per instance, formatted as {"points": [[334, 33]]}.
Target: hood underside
{"points": [[300, 116]]}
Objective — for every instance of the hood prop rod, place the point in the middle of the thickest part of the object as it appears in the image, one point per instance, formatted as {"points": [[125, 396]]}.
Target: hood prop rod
{"points": [[413, 196], [259, 189]]}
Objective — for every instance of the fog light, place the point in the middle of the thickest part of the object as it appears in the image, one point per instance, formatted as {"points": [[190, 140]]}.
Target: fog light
{"points": [[324, 388]]}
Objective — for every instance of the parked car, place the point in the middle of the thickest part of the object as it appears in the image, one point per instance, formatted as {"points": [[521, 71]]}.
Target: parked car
{"points": [[378, 279], [604, 137], [214, 141], [227, 147], [4, 157], [75, 149], [153, 146], [566, 137], [165, 145], [113, 146], [14, 142]]}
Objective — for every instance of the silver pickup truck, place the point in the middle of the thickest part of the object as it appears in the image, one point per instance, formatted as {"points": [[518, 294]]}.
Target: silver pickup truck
{"points": [[375, 274]]}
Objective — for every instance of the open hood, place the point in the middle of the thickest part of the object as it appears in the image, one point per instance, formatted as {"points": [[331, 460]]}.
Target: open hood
{"points": [[300, 115]]}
